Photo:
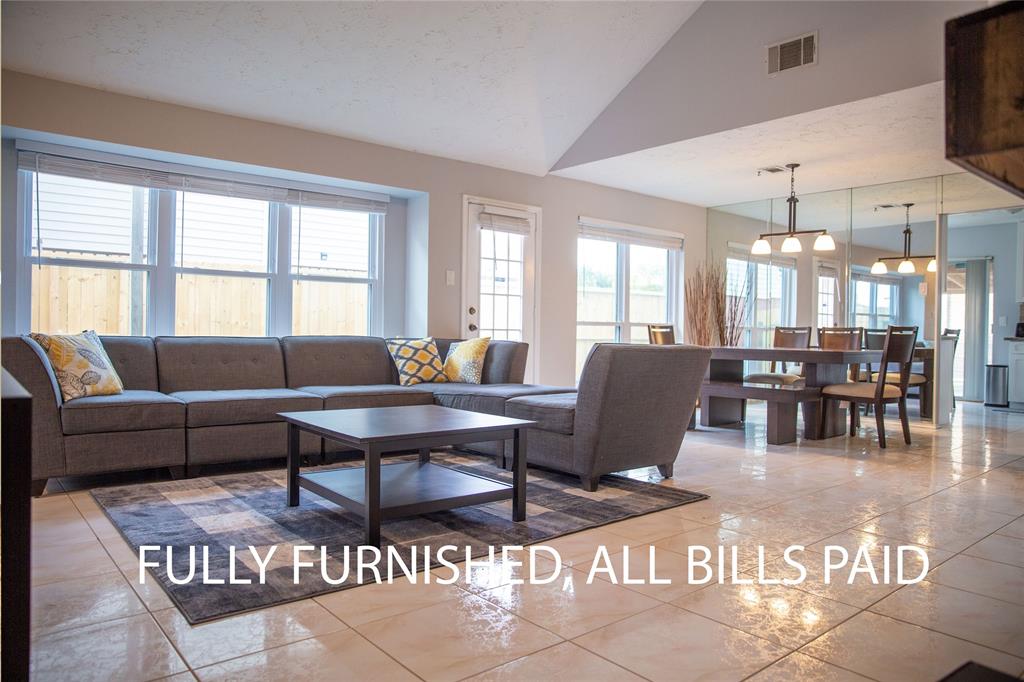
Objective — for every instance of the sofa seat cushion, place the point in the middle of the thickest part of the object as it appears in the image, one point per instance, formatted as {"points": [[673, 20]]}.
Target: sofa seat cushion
{"points": [[553, 412], [486, 398], [244, 406], [376, 395], [131, 410]]}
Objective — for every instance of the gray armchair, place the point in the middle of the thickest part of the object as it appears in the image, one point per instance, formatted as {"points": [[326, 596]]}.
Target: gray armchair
{"points": [[630, 411]]}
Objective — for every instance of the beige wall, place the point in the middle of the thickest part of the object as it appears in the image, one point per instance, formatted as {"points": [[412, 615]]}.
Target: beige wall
{"points": [[60, 108]]}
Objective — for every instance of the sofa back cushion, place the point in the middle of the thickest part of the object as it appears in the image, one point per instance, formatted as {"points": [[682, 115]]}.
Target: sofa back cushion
{"points": [[210, 363], [337, 361], [134, 359], [505, 362]]}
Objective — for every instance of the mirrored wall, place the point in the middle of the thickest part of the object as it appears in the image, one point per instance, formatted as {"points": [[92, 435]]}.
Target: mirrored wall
{"points": [[938, 253]]}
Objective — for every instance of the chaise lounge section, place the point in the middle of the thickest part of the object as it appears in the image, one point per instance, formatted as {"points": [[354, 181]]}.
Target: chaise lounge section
{"points": [[631, 410]]}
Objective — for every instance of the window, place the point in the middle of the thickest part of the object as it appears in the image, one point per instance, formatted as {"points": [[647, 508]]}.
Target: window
{"points": [[91, 243], [501, 284], [333, 263], [770, 289], [875, 301], [828, 295], [217, 237], [235, 257], [625, 280]]}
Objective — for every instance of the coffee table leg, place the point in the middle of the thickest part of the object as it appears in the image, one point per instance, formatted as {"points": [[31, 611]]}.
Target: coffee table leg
{"points": [[293, 465], [371, 522], [519, 476], [424, 455]]}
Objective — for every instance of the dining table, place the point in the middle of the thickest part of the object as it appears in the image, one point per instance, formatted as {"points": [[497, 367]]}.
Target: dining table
{"points": [[820, 368]]}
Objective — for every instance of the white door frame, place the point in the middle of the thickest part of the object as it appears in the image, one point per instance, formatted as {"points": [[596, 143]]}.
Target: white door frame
{"points": [[533, 359]]}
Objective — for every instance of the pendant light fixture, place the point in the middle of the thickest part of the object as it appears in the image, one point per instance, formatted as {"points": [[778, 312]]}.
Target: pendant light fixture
{"points": [[823, 242], [906, 266]]}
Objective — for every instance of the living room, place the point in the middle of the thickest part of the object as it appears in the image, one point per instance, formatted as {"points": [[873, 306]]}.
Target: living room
{"points": [[419, 340]]}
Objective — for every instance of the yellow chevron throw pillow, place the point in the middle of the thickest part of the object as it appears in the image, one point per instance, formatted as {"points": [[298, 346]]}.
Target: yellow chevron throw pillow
{"points": [[417, 360], [81, 364], [465, 361]]}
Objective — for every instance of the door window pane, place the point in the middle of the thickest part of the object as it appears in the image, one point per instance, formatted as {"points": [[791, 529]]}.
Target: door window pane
{"points": [[501, 284], [68, 300], [220, 306], [90, 220], [222, 233], [330, 307], [648, 284], [330, 242], [596, 278]]}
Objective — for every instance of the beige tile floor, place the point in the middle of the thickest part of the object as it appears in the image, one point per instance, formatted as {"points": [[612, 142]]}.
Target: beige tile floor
{"points": [[958, 492]]}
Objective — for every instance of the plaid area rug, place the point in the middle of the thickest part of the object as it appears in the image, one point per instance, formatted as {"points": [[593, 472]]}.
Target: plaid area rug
{"points": [[250, 509]]}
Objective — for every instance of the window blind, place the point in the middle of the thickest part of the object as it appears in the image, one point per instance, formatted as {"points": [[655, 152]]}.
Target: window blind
{"points": [[593, 228], [503, 223], [269, 190]]}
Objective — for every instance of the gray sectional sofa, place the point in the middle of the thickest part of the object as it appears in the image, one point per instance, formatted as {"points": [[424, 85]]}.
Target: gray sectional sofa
{"points": [[193, 401]]}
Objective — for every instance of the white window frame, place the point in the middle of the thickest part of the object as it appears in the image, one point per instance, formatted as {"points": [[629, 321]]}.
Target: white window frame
{"points": [[820, 265], [788, 293], [161, 266], [624, 235], [893, 317]]}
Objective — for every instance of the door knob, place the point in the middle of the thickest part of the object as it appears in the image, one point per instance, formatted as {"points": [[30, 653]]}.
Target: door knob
{"points": [[472, 310], [472, 327]]}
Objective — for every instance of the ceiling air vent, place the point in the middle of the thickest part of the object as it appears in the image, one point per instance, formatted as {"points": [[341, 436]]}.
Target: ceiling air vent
{"points": [[789, 54]]}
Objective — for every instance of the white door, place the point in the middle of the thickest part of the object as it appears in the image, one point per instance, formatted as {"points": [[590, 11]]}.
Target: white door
{"points": [[499, 275]]}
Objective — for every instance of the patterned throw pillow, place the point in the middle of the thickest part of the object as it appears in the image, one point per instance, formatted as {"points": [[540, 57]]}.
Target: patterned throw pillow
{"points": [[80, 363], [465, 361], [418, 361]]}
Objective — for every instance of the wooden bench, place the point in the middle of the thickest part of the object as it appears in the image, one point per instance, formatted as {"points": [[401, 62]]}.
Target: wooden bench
{"points": [[722, 402]]}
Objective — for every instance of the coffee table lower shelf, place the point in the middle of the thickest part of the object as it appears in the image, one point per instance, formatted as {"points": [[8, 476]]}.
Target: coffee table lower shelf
{"points": [[406, 488]]}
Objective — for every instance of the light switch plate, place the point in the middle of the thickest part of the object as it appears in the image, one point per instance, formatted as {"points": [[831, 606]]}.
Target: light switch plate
{"points": [[1002, 320], [449, 277]]}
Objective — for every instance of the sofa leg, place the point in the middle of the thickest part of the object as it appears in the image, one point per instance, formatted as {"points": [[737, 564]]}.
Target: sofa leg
{"points": [[665, 470], [193, 470], [38, 487], [590, 483], [177, 473]]}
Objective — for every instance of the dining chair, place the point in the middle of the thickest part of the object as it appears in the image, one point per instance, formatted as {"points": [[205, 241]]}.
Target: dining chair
{"points": [[785, 337], [844, 338], [898, 350], [661, 334]]}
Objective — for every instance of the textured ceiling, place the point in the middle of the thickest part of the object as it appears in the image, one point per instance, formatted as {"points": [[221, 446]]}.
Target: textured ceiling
{"points": [[510, 85], [882, 139]]}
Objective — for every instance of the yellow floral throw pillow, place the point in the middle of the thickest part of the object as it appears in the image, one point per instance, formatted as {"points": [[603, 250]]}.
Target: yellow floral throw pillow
{"points": [[417, 360], [465, 361], [80, 363]]}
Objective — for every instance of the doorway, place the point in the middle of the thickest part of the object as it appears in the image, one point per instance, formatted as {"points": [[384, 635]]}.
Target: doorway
{"points": [[499, 272]]}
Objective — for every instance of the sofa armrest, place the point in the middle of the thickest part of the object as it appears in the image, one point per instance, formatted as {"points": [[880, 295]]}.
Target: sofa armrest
{"points": [[505, 362], [27, 362]]}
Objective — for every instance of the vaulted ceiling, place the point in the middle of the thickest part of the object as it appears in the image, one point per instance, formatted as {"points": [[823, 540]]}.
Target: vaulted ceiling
{"points": [[670, 99], [510, 85]]}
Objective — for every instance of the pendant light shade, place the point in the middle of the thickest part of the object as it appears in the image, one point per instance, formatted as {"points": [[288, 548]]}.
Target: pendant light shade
{"points": [[824, 242], [932, 266], [761, 248], [879, 268], [906, 267], [791, 245]]}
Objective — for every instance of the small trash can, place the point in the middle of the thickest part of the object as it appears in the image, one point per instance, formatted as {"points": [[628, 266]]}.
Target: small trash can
{"points": [[996, 386]]}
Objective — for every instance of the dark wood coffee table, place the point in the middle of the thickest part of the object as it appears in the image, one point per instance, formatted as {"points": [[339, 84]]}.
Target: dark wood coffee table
{"points": [[378, 492]]}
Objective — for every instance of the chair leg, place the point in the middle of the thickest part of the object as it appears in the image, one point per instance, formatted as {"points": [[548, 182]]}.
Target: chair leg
{"points": [[822, 418], [904, 421], [589, 483], [854, 409], [665, 470], [880, 423]]}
